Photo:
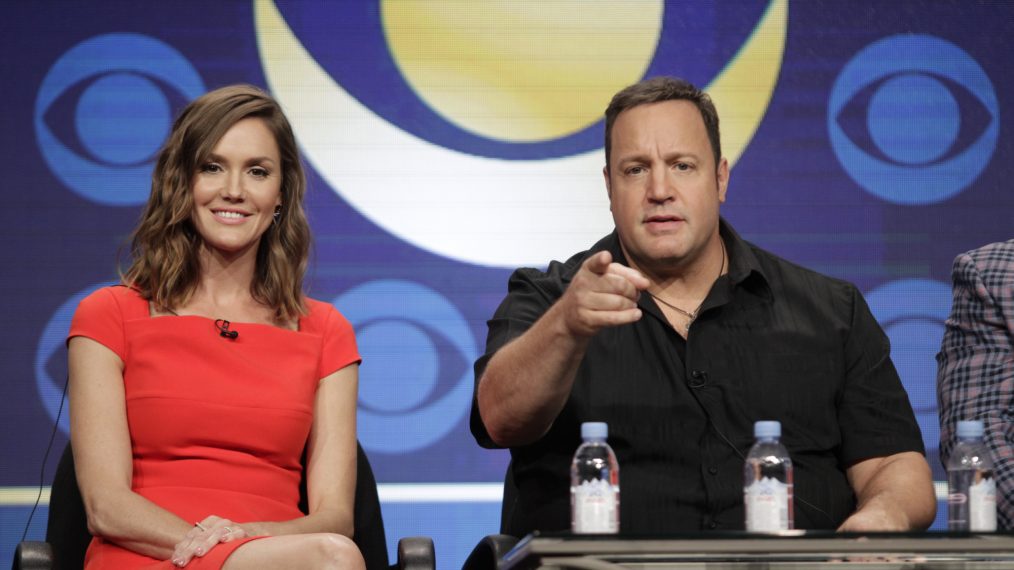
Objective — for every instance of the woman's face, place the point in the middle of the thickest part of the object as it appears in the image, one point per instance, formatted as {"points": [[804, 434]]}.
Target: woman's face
{"points": [[238, 188]]}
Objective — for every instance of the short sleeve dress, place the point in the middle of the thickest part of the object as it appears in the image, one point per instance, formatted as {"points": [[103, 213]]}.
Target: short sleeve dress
{"points": [[217, 425]]}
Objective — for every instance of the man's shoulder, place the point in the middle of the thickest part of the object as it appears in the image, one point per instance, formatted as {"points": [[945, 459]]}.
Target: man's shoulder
{"points": [[829, 303], [999, 254], [991, 265], [557, 274], [781, 272]]}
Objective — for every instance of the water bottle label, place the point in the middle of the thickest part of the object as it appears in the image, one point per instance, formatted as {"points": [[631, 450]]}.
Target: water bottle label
{"points": [[955, 498], [982, 506], [596, 508], [767, 505]]}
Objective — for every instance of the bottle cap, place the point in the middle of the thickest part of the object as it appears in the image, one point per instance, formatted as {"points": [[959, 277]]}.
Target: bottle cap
{"points": [[970, 428], [767, 429], [594, 430]]}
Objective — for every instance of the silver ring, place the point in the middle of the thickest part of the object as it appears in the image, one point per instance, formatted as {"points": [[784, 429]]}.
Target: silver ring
{"points": [[200, 526], [228, 530]]}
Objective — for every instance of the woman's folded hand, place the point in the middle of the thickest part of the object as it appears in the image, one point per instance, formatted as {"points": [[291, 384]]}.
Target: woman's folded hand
{"points": [[204, 536]]}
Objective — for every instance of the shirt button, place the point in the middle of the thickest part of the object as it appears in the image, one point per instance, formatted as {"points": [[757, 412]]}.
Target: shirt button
{"points": [[712, 525], [697, 378], [713, 470]]}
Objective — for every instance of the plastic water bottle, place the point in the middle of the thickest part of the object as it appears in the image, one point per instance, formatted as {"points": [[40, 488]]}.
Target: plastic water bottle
{"points": [[971, 493], [767, 481], [595, 483]]}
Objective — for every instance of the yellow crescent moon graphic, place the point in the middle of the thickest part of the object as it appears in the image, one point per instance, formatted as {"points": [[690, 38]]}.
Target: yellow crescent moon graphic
{"points": [[479, 210], [510, 71]]}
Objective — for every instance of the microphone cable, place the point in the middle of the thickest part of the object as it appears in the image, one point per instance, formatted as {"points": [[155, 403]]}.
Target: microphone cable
{"points": [[45, 458]]}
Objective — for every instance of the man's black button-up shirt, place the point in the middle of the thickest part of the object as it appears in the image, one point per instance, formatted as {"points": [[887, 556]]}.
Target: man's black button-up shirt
{"points": [[773, 341]]}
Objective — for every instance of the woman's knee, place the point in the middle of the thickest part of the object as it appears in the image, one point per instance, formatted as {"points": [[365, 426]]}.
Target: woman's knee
{"points": [[337, 551]]}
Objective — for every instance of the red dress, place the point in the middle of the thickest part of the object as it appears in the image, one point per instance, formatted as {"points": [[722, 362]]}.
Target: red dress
{"points": [[217, 426]]}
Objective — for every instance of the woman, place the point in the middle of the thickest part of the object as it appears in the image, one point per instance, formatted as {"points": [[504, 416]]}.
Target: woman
{"points": [[196, 385]]}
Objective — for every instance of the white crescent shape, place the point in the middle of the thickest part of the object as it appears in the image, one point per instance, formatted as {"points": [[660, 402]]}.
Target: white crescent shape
{"points": [[484, 211]]}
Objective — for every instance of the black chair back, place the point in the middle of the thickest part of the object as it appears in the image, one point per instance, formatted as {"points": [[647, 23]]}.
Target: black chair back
{"points": [[369, 522], [510, 500], [67, 529]]}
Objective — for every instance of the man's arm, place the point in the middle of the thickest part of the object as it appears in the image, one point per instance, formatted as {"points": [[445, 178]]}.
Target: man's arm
{"points": [[895, 493], [881, 440], [975, 373], [528, 381]]}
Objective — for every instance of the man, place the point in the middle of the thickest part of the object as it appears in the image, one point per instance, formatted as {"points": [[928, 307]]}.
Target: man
{"points": [[680, 336], [975, 374]]}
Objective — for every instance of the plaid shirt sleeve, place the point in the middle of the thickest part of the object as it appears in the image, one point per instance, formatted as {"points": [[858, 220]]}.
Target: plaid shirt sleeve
{"points": [[975, 373]]}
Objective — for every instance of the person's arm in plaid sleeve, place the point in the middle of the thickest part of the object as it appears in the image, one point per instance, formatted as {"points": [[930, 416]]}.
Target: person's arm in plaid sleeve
{"points": [[975, 375]]}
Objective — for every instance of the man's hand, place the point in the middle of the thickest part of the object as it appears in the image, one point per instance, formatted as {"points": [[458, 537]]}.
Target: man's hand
{"points": [[602, 294], [527, 382]]}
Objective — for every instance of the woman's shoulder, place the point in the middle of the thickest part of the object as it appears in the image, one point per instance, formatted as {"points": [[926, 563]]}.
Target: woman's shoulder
{"points": [[102, 314], [322, 317], [337, 336], [120, 298]]}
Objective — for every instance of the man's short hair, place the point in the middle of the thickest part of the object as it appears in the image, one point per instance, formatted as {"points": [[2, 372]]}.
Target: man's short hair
{"points": [[657, 90]]}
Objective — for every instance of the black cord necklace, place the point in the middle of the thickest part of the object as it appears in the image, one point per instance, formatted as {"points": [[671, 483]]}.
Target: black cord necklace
{"points": [[692, 315]]}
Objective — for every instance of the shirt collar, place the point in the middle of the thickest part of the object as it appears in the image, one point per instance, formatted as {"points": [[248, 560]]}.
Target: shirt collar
{"points": [[743, 264]]}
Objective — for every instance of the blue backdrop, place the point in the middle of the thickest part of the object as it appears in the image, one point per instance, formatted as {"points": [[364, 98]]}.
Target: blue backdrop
{"points": [[448, 142]]}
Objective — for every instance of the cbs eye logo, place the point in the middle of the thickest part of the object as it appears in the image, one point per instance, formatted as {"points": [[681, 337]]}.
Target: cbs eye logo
{"points": [[912, 313], [103, 110], [913, 119], [416, 379]]}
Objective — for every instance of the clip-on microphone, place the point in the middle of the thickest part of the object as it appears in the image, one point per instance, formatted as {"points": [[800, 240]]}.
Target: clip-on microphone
{"points": [[223, 329]]}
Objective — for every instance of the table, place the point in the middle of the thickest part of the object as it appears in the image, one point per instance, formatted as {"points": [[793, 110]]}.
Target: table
{"points": [[790, 550]]}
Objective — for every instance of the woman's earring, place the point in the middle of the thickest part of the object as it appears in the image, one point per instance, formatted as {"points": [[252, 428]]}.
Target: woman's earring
{"points": [[278, 213]]}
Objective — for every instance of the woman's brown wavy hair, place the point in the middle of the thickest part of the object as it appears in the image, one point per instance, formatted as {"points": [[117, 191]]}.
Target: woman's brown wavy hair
{"points": [[164, 247]]}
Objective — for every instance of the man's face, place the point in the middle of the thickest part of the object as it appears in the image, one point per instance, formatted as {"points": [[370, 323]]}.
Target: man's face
{"points": [[664, 188]]}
